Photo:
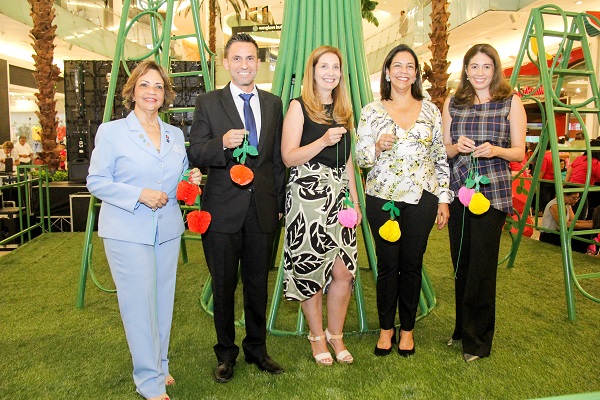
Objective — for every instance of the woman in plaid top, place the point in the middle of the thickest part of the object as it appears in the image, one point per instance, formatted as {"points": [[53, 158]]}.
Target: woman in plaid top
{"points": [[484, 125]]}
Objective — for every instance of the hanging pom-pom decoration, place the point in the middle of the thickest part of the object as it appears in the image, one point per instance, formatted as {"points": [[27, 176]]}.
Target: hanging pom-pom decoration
{"points": [[390, 231], [240, 174], [470, 196], [479, 204], [187, 192], [198, 221], [348, 216], [464, 195]]}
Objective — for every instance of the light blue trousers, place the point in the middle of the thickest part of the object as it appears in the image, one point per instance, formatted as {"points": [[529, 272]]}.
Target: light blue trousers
{"points": [[144, 276]]}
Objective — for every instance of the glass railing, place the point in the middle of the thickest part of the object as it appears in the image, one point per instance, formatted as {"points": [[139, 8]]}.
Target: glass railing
{"points": [[96, 12], [415, 28]]}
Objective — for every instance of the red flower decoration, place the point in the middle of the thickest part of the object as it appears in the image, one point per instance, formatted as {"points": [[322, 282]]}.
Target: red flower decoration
{"points": [[198, 221], [188, 192]]}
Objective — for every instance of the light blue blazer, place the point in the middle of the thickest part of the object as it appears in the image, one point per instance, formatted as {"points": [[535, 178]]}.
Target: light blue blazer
{"points": [[124, 162]]}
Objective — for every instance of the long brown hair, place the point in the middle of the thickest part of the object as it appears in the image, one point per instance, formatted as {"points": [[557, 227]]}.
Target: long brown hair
{"points": [[500, 90], [342, 108], [141, 70]]}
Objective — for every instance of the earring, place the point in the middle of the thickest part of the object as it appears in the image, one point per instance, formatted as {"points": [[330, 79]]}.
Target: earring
{"points": [[467, 79], [387, 78]]}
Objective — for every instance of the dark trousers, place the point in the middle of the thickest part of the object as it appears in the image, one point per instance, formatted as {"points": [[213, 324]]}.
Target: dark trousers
{"points": [[399, 264], [474, 247], [251, 250]]}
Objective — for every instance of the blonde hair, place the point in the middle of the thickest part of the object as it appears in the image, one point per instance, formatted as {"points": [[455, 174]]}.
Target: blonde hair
{"points": [[342, 108], [141, 70]]}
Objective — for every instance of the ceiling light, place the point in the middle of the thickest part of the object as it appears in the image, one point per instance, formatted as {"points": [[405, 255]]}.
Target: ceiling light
{"points": [[579, 2]]}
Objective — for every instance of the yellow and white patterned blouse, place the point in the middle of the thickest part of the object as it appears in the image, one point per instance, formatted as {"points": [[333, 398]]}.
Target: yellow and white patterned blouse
{"points": [[417, 161]]}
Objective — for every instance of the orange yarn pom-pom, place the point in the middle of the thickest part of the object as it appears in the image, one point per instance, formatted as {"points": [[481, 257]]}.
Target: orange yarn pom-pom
{"points": [[241, 174]]}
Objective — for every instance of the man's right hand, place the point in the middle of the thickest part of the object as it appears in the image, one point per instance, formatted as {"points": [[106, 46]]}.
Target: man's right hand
{"points": [[233, 138]]}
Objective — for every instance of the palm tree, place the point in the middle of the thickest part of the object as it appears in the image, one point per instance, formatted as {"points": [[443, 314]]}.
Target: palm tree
{"points": [[437, 74], [46, 75], [366, 8], [214, 14]]}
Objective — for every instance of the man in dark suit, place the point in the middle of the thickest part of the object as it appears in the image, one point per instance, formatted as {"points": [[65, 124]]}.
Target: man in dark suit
{"points": [[244, 218]]}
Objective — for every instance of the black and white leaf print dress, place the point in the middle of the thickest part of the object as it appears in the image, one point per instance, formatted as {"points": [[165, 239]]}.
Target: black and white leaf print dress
{"points": [[313, 235]]}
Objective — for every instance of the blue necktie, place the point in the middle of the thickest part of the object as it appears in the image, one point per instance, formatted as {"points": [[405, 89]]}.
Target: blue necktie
{"points": [[249, 120]]}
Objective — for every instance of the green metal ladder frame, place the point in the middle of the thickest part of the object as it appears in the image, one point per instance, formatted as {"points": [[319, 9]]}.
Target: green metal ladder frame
{"points": [[161, 45], [308, 24], [577, 27]]}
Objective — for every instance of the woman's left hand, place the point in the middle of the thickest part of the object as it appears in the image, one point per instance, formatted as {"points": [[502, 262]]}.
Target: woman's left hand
{"points": [[485, 150], [443, 214], [195, 176], [359, 215]]}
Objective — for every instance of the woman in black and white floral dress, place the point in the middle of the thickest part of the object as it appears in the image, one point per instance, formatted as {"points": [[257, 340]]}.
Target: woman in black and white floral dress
{"points": [[319, 252]]}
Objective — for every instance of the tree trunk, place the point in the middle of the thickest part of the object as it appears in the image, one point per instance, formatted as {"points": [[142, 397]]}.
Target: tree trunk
{"points": [[46, 75], [437, 75], [212, 26]]}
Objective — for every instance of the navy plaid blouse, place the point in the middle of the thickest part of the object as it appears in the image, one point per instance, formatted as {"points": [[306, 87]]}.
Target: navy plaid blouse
{"points": [[483, 123]]}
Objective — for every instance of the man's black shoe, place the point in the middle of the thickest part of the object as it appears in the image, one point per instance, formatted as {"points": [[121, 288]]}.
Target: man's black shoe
{"points": [[266, 364], [224, 372]]}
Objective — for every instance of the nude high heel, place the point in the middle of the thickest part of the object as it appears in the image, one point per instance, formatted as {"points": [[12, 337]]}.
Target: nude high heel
{"points": [[321, 358], [344, 356]]}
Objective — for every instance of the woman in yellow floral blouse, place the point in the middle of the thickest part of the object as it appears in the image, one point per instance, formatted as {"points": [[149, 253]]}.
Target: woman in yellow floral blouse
{"points": [[400, 139]]}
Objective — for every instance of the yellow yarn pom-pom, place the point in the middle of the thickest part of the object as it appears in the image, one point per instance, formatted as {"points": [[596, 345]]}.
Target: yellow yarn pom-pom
{"points": [[479, 204], [390, 231]]}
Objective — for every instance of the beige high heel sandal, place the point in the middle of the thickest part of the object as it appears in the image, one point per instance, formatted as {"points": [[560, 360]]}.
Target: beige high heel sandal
{"points": [[321, 357], [344, 356]]}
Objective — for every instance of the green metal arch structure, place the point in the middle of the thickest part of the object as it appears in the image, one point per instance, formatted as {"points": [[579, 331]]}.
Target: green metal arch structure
{"points": [[574, 33]]}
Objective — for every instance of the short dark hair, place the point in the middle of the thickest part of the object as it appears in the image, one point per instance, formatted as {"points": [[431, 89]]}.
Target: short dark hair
{"points": [[385, 87], [239, 37]]}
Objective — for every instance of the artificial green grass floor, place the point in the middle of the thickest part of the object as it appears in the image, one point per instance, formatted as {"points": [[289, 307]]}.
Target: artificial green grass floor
{"points": [[50, 349]]}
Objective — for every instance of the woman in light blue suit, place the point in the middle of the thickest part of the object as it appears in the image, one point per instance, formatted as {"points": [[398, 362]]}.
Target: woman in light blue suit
{"points": [[135, 168]]}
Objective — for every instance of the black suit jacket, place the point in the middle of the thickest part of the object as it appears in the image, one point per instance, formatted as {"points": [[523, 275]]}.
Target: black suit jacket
{"points": [[215, 114]]}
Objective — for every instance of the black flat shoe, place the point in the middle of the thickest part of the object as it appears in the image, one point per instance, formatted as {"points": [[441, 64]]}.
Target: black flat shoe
{"points": [[406, 353], [224, 372], [379, 352], [266, 363]]}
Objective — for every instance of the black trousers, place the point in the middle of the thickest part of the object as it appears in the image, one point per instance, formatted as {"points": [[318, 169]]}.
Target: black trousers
{"points": [[474, 247], [399, 264], [250, 250]]}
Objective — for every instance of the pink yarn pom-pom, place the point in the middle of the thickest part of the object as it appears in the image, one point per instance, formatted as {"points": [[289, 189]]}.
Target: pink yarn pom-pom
{"points": [[464, 195], [348, 217]]}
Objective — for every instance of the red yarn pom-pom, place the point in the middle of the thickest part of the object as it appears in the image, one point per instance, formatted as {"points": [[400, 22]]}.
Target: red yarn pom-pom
{"points": [[187, 192], [198, 221]]}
